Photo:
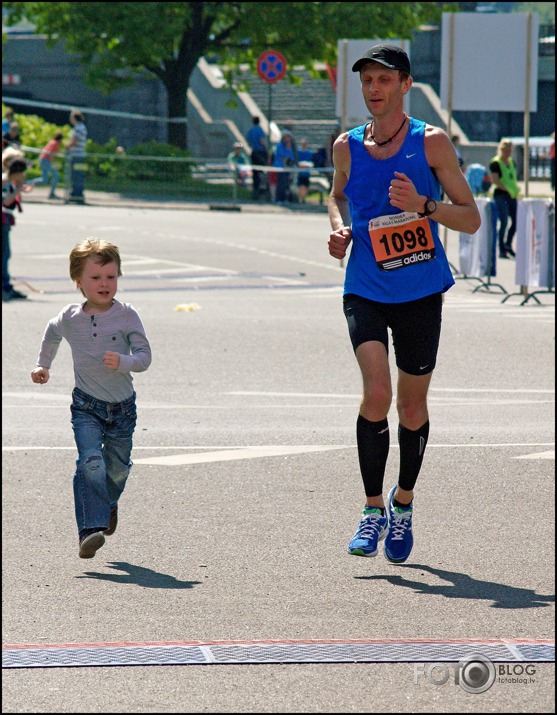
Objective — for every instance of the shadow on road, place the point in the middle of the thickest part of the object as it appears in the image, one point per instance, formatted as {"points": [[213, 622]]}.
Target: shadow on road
{"points": [[463, 586], [139, 576]]}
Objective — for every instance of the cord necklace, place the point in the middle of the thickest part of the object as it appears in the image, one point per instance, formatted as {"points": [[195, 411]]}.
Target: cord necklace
{"points": [[372, 137]]}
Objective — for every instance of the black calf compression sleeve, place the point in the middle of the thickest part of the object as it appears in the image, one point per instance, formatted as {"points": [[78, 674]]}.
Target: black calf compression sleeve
{"points": [[412, 447], [373, 450]]}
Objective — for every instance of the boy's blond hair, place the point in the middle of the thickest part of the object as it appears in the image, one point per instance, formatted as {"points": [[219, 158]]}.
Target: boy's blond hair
{"points": [[102, 252]]}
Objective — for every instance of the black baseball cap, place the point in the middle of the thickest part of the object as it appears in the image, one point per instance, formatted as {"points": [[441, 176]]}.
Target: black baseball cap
{"points": [[395, 58]]}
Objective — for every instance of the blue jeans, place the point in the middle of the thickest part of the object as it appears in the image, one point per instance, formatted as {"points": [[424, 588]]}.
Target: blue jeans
{"points": [[506, 208], [103, 435], [283, 187], [77, 176], [6, 255], [48, 169]]}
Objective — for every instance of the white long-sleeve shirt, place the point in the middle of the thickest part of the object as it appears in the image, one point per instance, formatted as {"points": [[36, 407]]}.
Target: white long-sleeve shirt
{"points": [[119, 330]]}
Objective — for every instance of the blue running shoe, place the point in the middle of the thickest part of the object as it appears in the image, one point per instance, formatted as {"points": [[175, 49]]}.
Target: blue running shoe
{"points": [[400, 540], [371, 530]]}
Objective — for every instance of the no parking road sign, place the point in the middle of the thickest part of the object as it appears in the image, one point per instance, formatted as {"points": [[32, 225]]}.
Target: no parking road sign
{"points": [[271, 66]]}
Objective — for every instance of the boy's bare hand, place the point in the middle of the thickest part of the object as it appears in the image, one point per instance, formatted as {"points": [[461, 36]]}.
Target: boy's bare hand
{"points": [[111, 359], [40, 375]]}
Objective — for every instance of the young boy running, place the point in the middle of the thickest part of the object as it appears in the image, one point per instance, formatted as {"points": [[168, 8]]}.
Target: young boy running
{"points": [[108, 343]]}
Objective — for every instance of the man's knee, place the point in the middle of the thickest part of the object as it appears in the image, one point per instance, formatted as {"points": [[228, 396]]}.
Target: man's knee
{"points": [[376, 401], [412, 413]]}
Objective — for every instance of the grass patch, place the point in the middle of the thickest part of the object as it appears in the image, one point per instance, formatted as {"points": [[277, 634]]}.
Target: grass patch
{"points": [[163, 189]]}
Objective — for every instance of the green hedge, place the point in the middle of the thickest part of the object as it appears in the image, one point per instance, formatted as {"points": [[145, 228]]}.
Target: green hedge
{"points": [[107, 160]]}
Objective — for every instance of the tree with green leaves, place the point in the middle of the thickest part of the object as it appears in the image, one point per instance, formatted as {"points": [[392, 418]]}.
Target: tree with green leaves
{"points": [[118, 41]]}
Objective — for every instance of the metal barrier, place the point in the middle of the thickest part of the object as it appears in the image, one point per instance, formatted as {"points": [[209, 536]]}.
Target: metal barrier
{"points": [[220, 172], [207, 170], [535, 240], [539, 165]]}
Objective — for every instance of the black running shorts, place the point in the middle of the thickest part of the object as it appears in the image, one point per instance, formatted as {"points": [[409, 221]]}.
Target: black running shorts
{"points": [[415, 328]]}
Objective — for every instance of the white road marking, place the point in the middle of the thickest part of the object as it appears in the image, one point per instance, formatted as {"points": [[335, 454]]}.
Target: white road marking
{"points": [[488, 389], [550, 454], [443, 398], [288, 449], [244, 393], [38, 395], [233, 454], [433, 389], [444, 402]]}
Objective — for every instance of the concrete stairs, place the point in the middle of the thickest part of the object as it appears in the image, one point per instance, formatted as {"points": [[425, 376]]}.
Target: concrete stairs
{"points": [[217, 117], [307, 109]]}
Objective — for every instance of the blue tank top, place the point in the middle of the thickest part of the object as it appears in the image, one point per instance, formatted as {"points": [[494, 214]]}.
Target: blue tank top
{"points": [[400, 257]]}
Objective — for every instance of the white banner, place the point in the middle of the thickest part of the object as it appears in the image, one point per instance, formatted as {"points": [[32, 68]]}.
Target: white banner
{"points": [[476, 250], [534, 243], [489, 62]]}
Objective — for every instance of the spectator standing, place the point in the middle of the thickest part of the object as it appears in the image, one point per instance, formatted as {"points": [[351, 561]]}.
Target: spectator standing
{"points": [[77, 155], [48, 171], [13, 179], [284, 158], [259, 155], [456, 143], [505, 194], [108, 343], [7, 120], [305, 158], [12, 137]]}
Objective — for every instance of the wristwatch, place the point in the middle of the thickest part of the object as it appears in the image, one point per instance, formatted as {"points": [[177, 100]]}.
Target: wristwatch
{"points": [[429, 207]]}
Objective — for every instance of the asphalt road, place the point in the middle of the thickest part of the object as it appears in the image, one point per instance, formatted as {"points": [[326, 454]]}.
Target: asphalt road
{"points": [[246, 488]]}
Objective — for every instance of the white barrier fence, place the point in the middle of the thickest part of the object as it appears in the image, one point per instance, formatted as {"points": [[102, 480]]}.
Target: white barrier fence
{"points": [[535, 250], [534, 247], [208, 170]]}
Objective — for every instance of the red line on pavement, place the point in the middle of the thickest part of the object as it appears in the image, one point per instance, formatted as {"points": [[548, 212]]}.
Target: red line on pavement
{"points": [[134, 644]]}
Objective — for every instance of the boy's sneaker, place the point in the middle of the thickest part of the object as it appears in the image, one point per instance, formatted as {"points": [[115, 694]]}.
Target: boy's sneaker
{"points": [[371, 530], [113, 522], [89, 544], [400, 540]]}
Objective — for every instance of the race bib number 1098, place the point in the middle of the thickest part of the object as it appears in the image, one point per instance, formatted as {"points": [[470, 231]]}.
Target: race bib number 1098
{"points": [[401, 240]]}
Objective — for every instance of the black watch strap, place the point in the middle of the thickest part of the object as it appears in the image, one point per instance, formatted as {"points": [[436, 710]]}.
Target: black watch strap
{"points": [[429, 207]]}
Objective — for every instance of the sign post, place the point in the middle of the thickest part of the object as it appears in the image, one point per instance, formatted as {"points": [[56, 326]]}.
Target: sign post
{"points": [[271, 67]]}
